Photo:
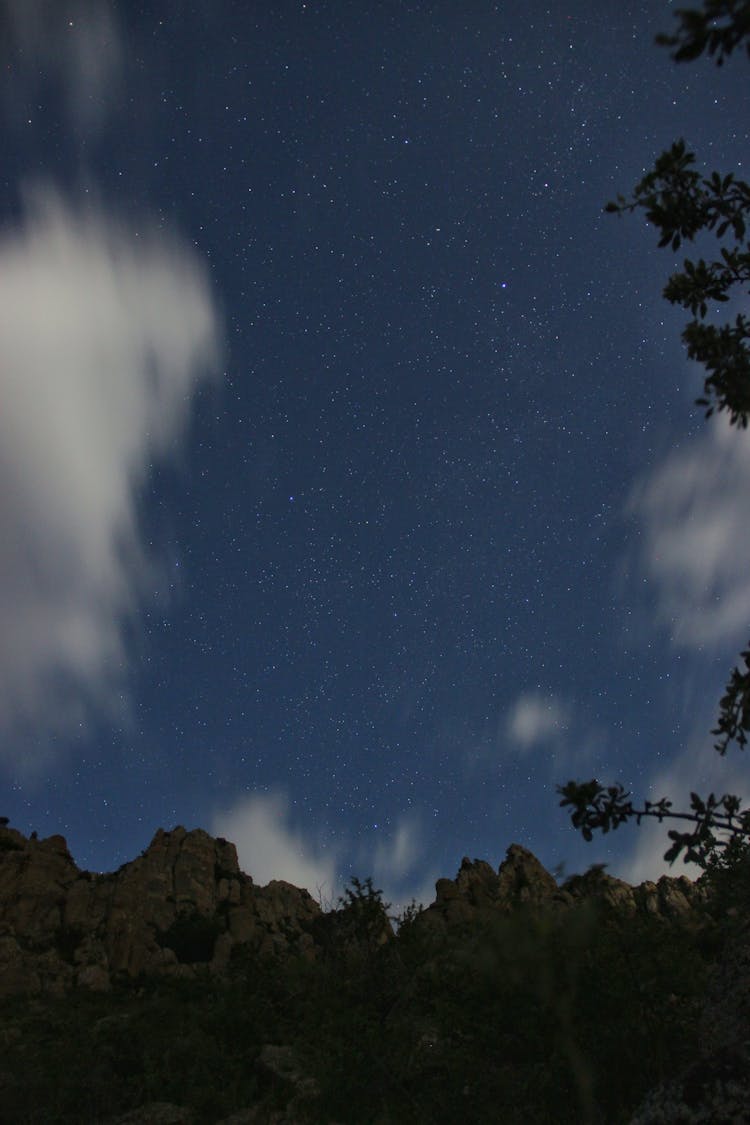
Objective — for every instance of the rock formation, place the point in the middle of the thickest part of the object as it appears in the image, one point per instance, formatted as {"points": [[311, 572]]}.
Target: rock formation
{"points": [[185, 909], [184, 904], [522, 881]]}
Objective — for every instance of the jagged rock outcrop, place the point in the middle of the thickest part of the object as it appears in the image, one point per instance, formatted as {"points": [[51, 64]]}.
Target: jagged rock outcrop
{"points": [[183, 902], [716, 1086], [184, 908], [521, 880]]}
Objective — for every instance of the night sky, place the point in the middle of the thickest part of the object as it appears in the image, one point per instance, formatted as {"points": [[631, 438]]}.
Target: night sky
{"points": [[352, 494]]}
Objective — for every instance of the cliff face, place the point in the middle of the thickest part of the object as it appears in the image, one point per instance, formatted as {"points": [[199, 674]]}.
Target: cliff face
{"points": [[184, 903], [522, 881]]}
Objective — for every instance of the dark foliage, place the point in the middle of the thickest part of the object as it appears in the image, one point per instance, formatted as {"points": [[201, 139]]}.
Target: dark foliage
{"points": [[718, 28], [564, 1016], [596, 807], [365, 911], [683, 204], [734, 709]]}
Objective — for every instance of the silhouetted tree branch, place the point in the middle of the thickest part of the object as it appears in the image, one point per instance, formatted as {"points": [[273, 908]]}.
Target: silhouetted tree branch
{"points": [[717, 28], [596, 807], [681, 204], [734, 709]]}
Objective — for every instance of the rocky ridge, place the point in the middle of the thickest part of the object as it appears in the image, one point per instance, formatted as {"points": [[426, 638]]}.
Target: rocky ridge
{"points": [[185, 910], [184, 905], [522, 880], [184, 902]]}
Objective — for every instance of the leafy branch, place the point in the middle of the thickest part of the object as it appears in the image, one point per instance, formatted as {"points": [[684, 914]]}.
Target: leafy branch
{"points": [[718, 29], [681, 204], [734, 709], [596, 807]]}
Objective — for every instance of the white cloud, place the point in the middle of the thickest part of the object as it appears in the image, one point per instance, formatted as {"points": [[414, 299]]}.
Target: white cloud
{"points": [[534, 719], [396, 865], [396, 855], [269, 848], [694, 509], [75, 44], [105, 334]]}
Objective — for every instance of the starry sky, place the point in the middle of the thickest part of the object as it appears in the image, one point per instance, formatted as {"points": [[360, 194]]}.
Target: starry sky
{"points": [[352, 494]]}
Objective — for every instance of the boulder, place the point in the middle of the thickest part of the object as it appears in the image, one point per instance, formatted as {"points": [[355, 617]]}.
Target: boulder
{"points": [[279, 1069]]}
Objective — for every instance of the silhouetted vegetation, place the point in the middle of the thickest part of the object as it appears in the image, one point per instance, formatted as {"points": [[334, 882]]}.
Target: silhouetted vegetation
{"points": [[716, 28], [682, 204], [567, 1015]]}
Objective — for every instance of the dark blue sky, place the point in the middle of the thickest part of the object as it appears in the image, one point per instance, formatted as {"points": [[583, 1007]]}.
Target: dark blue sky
{"points": [[367, 437]]}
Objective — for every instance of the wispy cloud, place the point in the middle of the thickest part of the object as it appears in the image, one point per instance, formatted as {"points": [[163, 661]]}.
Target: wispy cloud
{"points": [[694, 511], [74, 45], [269, 847], [396, 855], [535, 719], [105, 335], [397, 863]]}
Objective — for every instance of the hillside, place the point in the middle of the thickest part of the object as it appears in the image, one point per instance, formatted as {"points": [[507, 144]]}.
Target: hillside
{"points": [[175, 990]]}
